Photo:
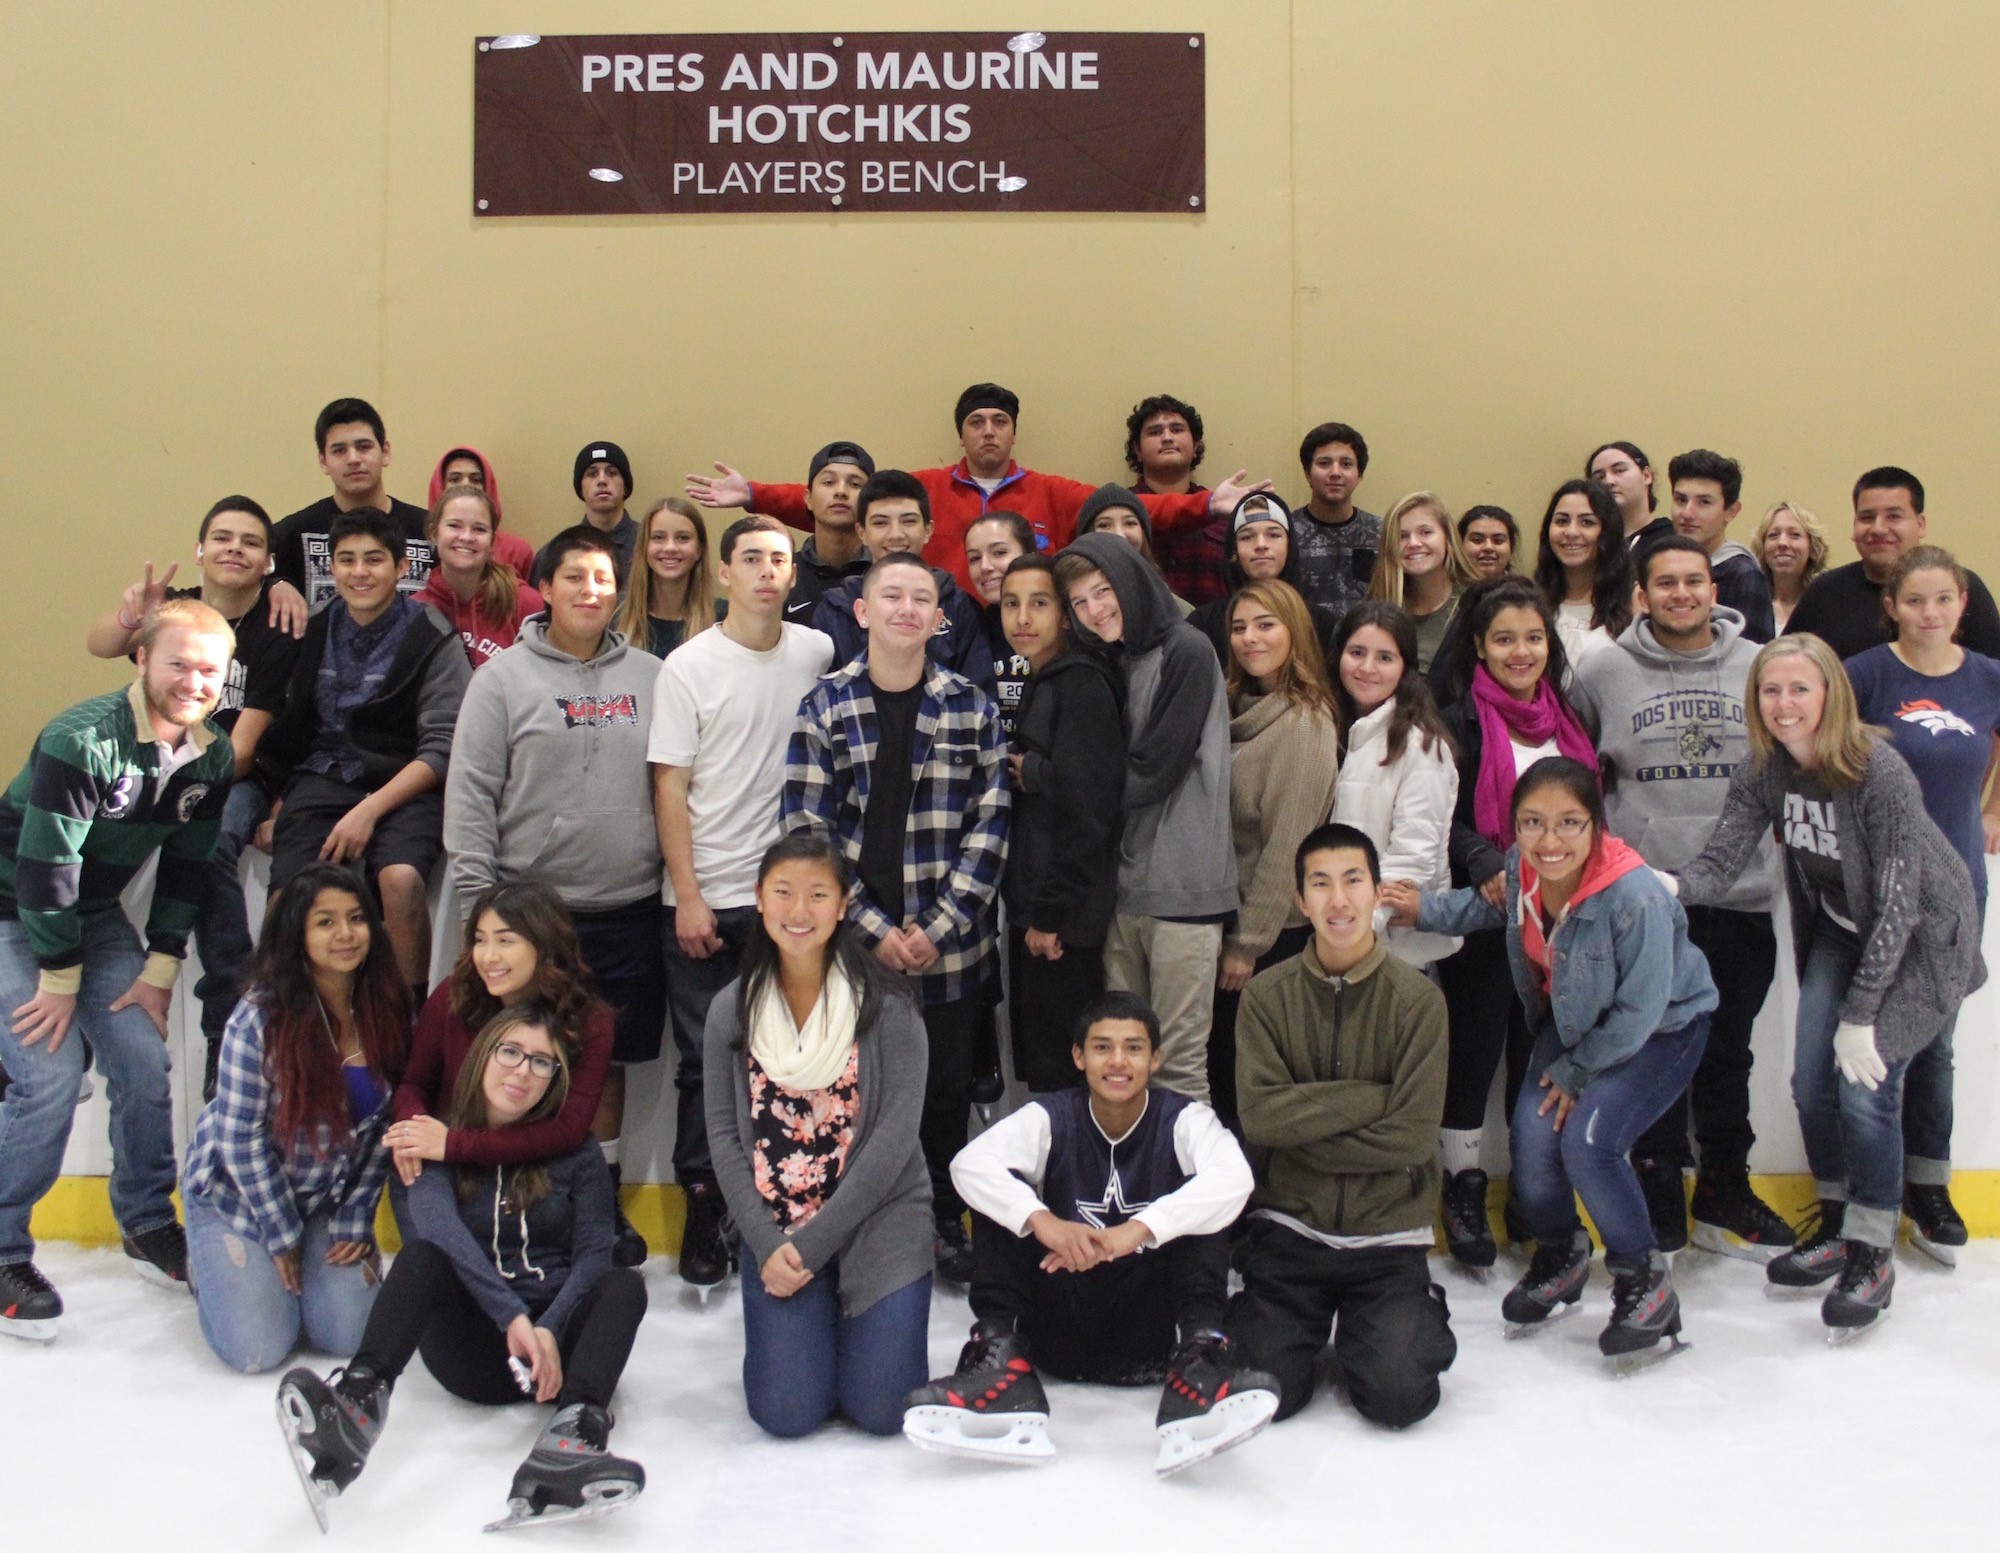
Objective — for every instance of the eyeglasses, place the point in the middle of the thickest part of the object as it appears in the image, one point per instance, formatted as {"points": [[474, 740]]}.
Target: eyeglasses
{"points": [[508, 1055], [1569, 827]]}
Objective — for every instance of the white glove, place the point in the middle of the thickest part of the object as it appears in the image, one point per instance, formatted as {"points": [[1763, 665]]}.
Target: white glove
{"points": [[1855, 1054], [1670, 882]]}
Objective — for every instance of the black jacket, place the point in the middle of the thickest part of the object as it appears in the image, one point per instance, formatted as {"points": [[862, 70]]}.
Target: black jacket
{"points": [[410, 718], [959, 644], [812, 576], [1062, 843], [1473, 858], [1212, 619]]}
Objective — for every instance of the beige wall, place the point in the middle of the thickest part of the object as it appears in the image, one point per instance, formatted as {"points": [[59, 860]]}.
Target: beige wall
{"points": [[1490, 236]]}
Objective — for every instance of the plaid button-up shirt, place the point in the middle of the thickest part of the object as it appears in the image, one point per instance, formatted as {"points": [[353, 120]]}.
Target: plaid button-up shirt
{"points": [[955, 838]]}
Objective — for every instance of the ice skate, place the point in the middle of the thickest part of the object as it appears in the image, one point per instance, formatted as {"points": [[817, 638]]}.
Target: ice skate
{"points": [[330, 1428], [1935, 1227], [954, 1252], [161, 1256], [1467, 1233], [628, 1246], [1732, 1220], [992, 1407], [708, 1254], [1860, 1301], [29, 1304], [1209, 1403], [571, 1472], [1645, 1327], [1552, 1289], [1665, 1189], [1820, 1254]]}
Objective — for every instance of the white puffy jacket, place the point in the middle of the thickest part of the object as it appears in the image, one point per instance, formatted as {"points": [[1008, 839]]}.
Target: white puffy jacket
{"points": [[1405, 809]]}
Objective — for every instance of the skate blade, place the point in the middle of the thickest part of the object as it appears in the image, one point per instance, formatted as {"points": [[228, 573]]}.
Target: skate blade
{"points": [[1021, 1438], [1226, 1425], [1717, 1241], [1562, 1313], [1800, 1291], [1626, 1365], [598, 1499], [1944, 1256], [1476, 1274], [1840, 1337], [43, 1332], [154, 1275], [317, 1493]]}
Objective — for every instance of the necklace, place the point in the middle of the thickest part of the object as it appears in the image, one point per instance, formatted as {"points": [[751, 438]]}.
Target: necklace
{"points": [[326, 1024]]}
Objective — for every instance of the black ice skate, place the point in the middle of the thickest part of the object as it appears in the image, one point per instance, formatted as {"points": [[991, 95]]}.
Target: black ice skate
{"points": [[1861, 1299], [1552, 1288], [1209, 1402], [1666, 1202], [954, 1252], [571, 1472], [707, 1256], [628, 1246], [1732, 1220], [1935, 1227], [1467, 1232], [1645, 1323], [330, 1428], [29, 1304], [161, 1255], [1819, 1256], [992, 1407]]}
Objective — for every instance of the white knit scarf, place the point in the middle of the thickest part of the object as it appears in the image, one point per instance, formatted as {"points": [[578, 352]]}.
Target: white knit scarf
{"points": [[813, 1056]]}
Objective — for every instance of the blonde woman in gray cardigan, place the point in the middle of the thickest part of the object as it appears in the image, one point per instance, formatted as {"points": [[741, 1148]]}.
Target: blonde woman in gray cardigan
{"points": [[814, 1064], [1284, 755], [1886, 934]]}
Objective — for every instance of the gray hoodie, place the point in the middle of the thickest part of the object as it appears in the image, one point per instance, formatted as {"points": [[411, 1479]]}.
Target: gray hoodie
{"points": [[1177, 858], [1673, 734], [549, 776]]}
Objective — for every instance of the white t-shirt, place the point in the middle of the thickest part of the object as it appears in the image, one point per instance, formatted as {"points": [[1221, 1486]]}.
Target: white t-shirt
{"points": [[1580, 638], [1525, 755], [728, 713]]}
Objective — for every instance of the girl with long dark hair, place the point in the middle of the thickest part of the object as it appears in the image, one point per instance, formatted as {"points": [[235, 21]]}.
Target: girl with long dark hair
{"points": [[506, 1288], [816, 1064], [1583, 567], [286, 1165]]}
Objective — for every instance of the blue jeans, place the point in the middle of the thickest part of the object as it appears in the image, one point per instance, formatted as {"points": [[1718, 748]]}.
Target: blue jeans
{"points": [[223, 933], [802, 1359], [248, 1317], [1854, 1136], [1927, 1112], [35, 1118], [1587, 1158]]}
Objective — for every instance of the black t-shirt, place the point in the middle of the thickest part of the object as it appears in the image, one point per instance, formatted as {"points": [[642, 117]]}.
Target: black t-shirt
{"points": [[889, 786], [302, 549], [1010, 671], [261, 668], [1844, 609], [1812, 839]]}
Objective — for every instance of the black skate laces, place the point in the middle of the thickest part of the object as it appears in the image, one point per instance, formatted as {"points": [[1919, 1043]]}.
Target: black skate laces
{"points": [[29, 1277]]}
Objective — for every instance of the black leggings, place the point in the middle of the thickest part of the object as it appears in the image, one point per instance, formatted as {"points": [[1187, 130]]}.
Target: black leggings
{"points": [[951, 1029], [424, 1307], [1486, 1021]]}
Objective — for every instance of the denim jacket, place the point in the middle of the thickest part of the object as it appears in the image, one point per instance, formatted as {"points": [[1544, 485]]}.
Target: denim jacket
{"points": [[1621, 967]]}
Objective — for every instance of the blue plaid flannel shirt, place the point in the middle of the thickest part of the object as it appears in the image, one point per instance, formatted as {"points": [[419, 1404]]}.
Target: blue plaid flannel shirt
{"points": [[235, 1163], [956, 840]]}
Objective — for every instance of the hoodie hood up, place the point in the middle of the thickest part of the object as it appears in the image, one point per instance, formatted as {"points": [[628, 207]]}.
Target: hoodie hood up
{"points": [[1143, 597]]}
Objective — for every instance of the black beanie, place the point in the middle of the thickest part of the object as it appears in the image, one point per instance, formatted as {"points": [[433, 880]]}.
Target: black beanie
{"points": [[1102, 500], [602, 452], [986, 396], [840, 453]]}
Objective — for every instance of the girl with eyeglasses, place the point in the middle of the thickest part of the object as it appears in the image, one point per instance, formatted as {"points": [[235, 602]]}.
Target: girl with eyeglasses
{"points": [[1618, 1002], [505, 1287], [287, 1162]]}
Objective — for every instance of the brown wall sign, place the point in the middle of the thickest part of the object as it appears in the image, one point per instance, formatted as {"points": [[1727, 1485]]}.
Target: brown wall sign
{"points": [[726, 122]]}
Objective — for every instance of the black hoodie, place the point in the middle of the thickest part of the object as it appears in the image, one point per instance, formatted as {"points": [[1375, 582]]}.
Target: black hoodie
{"points": [[1062, 843], [1212, 619]]}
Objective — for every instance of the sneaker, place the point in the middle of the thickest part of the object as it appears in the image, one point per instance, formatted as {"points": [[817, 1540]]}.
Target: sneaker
{"points": [[1861, 1298], [954, 1252], [1555, 1278], [1666, 1202], [1467, 1231], [1732, 1220], [29, 1304], [1935, 1227], [628, 1246], [705, 1254], [1820, 1254], [992, 1406], [1209, 1402], [162, 1255]]}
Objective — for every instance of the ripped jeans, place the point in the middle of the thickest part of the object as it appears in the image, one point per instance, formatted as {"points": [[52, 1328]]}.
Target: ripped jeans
{"points": [[1587, 1158], [248, 1316]]}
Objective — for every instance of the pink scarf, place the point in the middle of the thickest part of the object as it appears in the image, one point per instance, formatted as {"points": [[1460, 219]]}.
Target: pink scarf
{"points": [[1537, 720]]}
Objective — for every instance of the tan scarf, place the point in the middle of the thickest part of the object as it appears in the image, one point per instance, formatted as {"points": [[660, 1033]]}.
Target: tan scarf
{"points": [[812, 1056]]}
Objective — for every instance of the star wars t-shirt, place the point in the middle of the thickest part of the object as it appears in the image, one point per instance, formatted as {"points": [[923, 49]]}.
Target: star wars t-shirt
{"points": [[1812, 842]]}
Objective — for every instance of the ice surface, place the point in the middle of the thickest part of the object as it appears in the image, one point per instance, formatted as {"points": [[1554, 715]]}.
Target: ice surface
{"points": [[127, 1426]]}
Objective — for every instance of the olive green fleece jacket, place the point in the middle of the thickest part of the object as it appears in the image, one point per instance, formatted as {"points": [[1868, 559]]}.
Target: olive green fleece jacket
{"points": [[1340, 1092]]}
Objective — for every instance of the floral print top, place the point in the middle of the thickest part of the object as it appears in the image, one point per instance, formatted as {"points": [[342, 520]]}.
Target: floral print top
{"points": [[801, 1140]]}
